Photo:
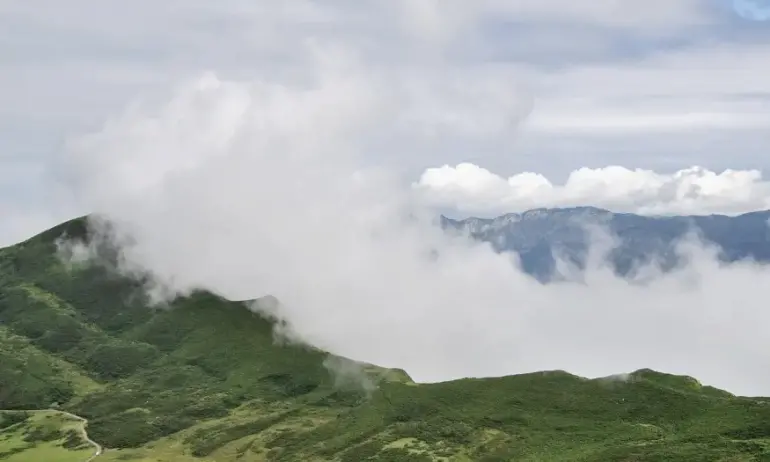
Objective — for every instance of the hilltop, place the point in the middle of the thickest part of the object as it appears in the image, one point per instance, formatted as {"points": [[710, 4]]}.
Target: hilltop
{"points": [[204, 379]]}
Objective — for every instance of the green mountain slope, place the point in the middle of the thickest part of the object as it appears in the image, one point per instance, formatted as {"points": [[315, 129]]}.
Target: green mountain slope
{"points": [[204, 380], [43, 436]]}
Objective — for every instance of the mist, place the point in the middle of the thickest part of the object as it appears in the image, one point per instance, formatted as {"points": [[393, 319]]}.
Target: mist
{"points": [[288, 184], [249, 189]]}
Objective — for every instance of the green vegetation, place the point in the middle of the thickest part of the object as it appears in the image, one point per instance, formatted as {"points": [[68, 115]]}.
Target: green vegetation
{"points": [[203, 380], [42, 436]]}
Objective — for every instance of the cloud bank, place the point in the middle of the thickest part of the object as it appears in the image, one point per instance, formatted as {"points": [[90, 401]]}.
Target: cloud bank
{"points": [[660, 84], [249, 188], [472, 190]]}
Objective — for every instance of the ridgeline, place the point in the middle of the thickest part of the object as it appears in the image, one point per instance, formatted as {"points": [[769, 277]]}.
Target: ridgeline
{"points": [[204, 380]]}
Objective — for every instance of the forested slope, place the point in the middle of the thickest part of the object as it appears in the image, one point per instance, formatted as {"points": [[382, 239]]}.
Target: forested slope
{"points": [[203, 379]]}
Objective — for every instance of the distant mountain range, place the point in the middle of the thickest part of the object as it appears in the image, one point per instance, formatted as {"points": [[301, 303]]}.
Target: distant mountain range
{"points": [[539, 235]]}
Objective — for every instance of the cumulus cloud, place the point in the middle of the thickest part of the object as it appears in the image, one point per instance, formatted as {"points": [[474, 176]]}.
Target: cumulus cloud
{"points": [[598, 77], [259, 187], [470, 189], [275, 174]]}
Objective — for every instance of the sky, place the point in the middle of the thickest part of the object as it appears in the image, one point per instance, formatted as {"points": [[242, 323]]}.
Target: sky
{"points": [[508, 86], [301, 149]]}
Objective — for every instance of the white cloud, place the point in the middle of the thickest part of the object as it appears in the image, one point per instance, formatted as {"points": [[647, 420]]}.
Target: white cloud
{"points": [[588, 69], [277, 175], [470, 189], [78, 63], [280, 205]]}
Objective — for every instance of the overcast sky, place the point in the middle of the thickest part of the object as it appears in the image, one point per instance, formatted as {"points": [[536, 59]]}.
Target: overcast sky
{"points": [[500, 86], [289, 148]]}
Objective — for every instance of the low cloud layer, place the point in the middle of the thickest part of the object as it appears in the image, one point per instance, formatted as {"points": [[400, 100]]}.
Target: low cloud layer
{"points": [[472, 190], [255, 188]]}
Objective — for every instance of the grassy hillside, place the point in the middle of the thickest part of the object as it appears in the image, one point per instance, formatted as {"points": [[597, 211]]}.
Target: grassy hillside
{"points": [[204, 380], [42, 436]]}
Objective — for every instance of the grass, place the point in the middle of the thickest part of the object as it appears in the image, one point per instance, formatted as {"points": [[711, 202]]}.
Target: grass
{"points": [[203, 380], [40, 379], [43, 436]]}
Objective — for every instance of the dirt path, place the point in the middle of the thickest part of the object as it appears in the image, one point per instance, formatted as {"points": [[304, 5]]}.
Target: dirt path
{"points": [[98, 449]]}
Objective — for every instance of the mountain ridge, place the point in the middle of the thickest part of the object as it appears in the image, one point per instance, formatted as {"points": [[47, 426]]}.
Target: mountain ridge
{"points": [[540, 236], [204, 380]]}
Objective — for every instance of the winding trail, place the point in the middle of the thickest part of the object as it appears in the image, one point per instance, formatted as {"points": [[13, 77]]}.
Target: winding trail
{"points": [[98, 449]]}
